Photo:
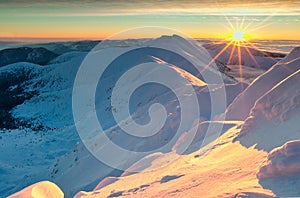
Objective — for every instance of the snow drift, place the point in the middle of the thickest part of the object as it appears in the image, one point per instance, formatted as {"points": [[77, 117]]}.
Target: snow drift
{"points": [[282, 161], [274, 119]]}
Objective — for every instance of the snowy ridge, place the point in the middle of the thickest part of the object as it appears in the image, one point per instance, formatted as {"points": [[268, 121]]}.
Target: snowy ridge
{"points": [[292, 56], [50, 111], [261, 85], [272, 121], [199, 56], [262, 129], [274, 113], [65, 168]]}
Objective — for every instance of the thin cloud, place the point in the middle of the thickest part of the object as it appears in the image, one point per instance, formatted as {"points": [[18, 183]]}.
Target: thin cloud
{"points": [[123, 7]]}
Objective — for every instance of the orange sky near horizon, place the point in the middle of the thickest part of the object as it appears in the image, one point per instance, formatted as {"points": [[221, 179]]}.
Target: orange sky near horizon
{"points": [[90, 19]]}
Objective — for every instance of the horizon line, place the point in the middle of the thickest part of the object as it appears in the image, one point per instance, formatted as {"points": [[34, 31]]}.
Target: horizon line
{"points": [[70, 39]]}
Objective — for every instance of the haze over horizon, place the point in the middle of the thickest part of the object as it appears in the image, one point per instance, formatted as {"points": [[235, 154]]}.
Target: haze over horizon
{"points": [[90, 19]]}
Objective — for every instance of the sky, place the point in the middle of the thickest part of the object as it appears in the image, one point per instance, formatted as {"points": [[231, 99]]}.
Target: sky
{"points": [[91, 19]]}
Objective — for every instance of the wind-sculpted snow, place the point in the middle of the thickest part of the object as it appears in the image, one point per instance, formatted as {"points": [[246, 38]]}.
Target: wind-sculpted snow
{"points": [[282, 161], [242, 104], [274, 119], [280, 172]]}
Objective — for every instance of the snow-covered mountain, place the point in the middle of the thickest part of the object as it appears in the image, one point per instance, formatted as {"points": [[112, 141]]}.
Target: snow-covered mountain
{"points": [[38, 117], [86, 46], [261, 129], [25, 54], [259, 157], [139, 104]]}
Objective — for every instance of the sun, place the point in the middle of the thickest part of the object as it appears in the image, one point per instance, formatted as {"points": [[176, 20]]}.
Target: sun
{"points": [[238, 36], [238, 43]]}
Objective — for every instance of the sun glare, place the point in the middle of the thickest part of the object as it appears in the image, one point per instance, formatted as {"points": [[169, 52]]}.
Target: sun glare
{"points": [[238, 43], [238, 36]]}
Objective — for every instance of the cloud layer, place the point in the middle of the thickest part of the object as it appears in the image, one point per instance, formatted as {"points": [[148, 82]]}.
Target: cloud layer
{"points": [[119, 7]]}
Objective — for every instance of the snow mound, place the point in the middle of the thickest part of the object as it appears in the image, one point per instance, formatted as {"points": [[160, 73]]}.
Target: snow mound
{"points": [[242, 104], [43, 189], [282, 161], [274, 119]]}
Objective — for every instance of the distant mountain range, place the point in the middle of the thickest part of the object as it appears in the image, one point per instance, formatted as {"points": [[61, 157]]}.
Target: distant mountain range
{"points": [[257, 154]]}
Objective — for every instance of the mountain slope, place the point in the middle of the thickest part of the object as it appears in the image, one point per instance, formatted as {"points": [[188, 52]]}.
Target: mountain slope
{"points": [[220, 169], [25, 54], [140, 102], [208, 173], [275, 116], [261, 85], [217, 169], [39, 122], [48, 132]]}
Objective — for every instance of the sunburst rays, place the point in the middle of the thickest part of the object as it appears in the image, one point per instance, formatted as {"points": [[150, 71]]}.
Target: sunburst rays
{"points": [[239, 42]]}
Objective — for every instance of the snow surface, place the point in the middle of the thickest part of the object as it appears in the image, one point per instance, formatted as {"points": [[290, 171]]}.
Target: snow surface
{"points": [[27, 152], [139, 104], [274, 119], [44, 189], [241, 106], [262, 118], [282, 161], [52, 151]]}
